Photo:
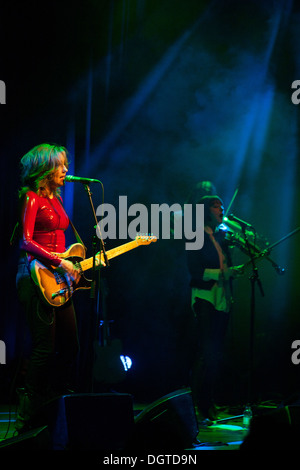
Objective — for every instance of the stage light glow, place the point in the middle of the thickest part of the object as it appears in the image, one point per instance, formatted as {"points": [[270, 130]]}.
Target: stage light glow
{"points": [[228, 427], [126, 361]]}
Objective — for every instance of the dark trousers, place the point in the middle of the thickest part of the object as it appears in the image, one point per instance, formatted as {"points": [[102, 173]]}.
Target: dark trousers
{"points": [[54, 339], [211, 326]]}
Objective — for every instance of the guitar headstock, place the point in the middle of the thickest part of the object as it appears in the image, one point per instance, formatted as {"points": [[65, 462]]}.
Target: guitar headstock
{"points": [[145, 239]]}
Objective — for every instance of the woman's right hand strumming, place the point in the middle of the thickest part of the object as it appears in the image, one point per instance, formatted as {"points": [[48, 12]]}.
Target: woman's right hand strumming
{"points": [[70, 270]]}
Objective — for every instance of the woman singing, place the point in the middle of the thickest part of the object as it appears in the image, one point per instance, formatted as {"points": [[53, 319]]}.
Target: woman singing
{"points": [[43, 222]]}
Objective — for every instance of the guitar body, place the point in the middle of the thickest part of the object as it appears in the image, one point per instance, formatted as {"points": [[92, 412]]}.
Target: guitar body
{"points": [[52, 284]]}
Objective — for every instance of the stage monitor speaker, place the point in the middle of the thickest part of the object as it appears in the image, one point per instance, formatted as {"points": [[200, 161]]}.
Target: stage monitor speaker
{"points": [[91, 421], [275, 430], [167, 424], [36, 439]]}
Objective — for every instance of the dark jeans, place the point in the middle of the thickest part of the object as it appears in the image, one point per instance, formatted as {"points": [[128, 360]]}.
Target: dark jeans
{"points": [[211, 326], [54, 339]]}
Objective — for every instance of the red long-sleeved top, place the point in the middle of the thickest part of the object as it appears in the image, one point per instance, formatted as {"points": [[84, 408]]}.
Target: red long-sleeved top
{"points": [[44, 222]]}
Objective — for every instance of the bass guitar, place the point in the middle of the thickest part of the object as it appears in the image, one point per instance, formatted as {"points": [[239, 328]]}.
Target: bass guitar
{"points": [[53, 285]]}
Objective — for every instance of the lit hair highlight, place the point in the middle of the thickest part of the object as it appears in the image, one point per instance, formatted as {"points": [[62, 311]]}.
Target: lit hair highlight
{"points": [[38, 166]]}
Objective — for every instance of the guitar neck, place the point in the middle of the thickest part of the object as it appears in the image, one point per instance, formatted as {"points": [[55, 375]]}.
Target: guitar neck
{"points": [[119, 250]]}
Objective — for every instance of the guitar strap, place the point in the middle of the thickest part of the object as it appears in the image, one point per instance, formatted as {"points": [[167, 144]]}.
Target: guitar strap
{"points": [[13, 238], [16, 228], [77, 236], [14, 234]]}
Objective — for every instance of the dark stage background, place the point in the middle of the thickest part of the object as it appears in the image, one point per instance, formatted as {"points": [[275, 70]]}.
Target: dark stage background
{"points": [[151, 97]]}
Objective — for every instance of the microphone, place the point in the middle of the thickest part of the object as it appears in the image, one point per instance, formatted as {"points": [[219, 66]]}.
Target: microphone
{"points": [[242, 223], [75, 179]]}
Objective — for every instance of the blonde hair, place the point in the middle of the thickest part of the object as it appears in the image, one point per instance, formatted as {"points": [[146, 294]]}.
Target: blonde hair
{"points": [[38, 166]]}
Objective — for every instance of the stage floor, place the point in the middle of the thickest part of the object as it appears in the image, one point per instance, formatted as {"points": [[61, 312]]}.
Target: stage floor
{"points": [[225, 434]]}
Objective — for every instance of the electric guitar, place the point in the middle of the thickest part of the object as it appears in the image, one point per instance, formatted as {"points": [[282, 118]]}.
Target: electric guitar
{"points": [[53, 285]]}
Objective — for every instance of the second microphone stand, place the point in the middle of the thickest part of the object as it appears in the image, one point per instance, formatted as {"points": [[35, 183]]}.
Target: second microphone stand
{"points": [[254, 280]]}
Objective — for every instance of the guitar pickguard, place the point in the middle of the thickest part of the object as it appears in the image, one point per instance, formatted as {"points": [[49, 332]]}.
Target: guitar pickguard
{"points": [[53, 284]]}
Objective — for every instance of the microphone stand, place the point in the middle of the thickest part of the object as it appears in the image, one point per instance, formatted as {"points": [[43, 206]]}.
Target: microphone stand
{"points": [[94, 295], [254, 279]]}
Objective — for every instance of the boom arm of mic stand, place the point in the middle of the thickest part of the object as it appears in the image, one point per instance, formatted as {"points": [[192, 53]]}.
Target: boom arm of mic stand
{"points": [[285, 237], [87, 188], [267, 251], [265, 254], [255, 277]]}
